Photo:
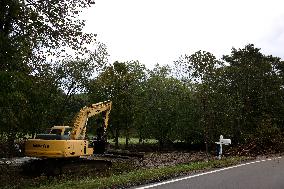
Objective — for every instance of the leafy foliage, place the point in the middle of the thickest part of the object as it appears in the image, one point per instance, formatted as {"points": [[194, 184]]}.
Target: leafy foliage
{"points": [[30, 27], [120, 83], [240, 96], [31, 31], [255, 87], [206, 98]]}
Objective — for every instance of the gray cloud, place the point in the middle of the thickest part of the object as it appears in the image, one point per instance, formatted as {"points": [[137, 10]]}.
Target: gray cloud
{"points": [[273, 42]]}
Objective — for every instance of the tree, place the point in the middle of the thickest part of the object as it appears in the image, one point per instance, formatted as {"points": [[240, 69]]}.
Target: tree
{"points": [[158, 108], [202, 69], [73, 76], [255, 85], [28, 28], [119, 83], [165, 109], [30, 31]]}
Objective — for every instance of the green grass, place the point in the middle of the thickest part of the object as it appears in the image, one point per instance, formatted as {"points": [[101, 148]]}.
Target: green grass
{"points": [[144, 175], [132, 141]]}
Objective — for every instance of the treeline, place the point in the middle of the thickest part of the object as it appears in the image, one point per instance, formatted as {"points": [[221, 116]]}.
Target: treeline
{"points": [[197, 99], [194, 100]]}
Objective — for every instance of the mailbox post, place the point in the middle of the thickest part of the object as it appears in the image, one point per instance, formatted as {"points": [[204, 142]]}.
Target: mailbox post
{"points": [[220, 143]]}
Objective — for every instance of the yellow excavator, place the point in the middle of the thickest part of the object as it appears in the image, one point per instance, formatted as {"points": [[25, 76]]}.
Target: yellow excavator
{"points": [[65, 142]]}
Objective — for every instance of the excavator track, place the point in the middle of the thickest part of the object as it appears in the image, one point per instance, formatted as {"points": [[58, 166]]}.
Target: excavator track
{"points": [[83, 164], [52, 167]]}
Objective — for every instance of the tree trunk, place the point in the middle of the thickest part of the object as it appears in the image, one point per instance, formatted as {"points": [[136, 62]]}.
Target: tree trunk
{"points": [[116, 137], [127, 138], [11, 145], [140, 139], [161, 144]]}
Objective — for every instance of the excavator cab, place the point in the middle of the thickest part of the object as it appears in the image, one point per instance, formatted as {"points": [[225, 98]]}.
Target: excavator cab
{"points": [[61, 130], [56, 133]]}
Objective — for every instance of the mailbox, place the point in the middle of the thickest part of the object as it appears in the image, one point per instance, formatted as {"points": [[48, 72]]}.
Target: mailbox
{"points": [[225, 141], [220, 143]]}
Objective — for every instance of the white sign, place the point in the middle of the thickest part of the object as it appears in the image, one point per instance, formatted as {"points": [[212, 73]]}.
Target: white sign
{"points": [[224, 141], [221, 142]]}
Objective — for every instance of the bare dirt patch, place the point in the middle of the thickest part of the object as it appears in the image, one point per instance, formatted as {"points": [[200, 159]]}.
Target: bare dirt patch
{"points": [[159, 159]]}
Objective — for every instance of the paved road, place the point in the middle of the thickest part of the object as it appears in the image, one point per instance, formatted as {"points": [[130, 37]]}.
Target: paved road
{"points": [[266, 174]]}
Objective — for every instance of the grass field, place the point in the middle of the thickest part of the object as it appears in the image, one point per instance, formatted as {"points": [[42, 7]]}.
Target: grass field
{"points": [[142, 175], [121, 141]]}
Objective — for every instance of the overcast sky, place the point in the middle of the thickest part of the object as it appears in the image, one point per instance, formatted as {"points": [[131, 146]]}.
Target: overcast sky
{"points": [[159, 31]]}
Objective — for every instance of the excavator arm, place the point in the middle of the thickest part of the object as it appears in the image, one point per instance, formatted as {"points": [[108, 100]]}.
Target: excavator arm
{"points": [[81, 119]]}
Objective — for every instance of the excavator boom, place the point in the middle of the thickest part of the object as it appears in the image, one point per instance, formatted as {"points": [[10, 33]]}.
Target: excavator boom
{"points": [[79, 128]]}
